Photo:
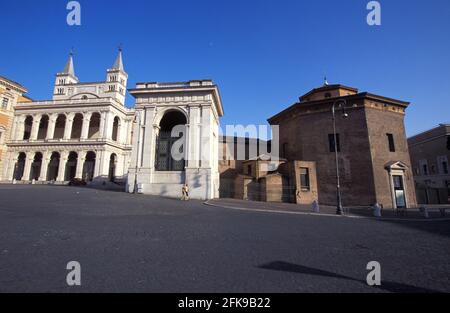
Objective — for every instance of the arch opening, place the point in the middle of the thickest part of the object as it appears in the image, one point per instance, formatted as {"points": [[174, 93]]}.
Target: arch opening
{"points": [[89, 166], [77, 126], [53, 167], [112, 167], [165, 161], [71, 166], [19, 166], [43, 127], [28, 127], [94, 126], [36, 166], [60, 127]]}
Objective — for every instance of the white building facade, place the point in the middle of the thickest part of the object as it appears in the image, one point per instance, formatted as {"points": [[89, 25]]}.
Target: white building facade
{"points": [[175, 139], [83, 133]]}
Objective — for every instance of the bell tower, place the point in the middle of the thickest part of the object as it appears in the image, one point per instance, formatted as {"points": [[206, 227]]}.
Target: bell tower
{"points": [[116, 79], [65, 78]]}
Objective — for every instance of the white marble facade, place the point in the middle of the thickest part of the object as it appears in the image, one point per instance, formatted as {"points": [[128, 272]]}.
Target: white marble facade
{"points": [[86, 133], [197, 107], [82, 133]]}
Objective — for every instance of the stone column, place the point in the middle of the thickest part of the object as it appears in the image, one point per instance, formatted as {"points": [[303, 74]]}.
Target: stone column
{"points": [[99, 158], [19, 128], [44, 166], [62, 166], [35, 127], [147, 148], [51, 126], [80, 164], [68, 126], [102, 125], [85, 129], [27, 167], [9, 168], [194, 137], [108, 126]]}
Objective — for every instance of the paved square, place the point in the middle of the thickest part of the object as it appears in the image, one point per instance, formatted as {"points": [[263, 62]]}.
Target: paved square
{"points": [[128, 243]]}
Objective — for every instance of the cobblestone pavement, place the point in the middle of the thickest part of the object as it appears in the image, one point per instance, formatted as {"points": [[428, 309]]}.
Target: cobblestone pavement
{"points": [[128, 243]]}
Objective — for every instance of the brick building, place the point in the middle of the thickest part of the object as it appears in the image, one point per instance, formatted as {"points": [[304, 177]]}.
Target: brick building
{"points": [[374, 159], [430, 154], [10, 94]]}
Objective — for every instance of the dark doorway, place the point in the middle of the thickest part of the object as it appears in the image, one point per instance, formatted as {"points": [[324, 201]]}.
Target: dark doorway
{"points": [[399, 190]]}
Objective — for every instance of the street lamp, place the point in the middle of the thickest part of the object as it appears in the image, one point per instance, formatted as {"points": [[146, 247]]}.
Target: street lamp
{"points": [[341, 103], [138, 123]]}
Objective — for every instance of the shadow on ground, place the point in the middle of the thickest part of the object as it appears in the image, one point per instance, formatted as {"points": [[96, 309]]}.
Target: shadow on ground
{"points": [[300, 269]]}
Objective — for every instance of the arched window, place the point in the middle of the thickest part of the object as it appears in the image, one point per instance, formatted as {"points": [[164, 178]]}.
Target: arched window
{"points": [[165, 161]]}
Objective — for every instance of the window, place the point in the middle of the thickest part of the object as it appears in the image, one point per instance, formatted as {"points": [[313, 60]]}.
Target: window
{"points": [[249, 170], [5, 103], [304, 179], [60, 91], [328, 95], [448, 142], [445, 167], [425, 169], [331, 142], [391, 142]]}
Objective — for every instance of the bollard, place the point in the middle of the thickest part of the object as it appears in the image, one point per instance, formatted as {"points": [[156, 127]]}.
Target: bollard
{"points": [[33, 181], [315, 207], [14, 181], [377, 210], [425, 212]]}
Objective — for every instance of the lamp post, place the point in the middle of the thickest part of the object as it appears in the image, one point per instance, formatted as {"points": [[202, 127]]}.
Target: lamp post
{"points": [[341, 105], [138, 122]]}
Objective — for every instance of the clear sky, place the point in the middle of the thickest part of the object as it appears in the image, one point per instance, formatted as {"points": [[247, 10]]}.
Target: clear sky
{"points": [[263, 54]]}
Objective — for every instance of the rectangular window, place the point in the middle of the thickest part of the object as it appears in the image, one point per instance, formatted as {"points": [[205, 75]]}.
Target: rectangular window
{"points": [[304, 179], [249, 170], [331, 142], [391, 142], [5, 103], [425, 169], [445, 167]]}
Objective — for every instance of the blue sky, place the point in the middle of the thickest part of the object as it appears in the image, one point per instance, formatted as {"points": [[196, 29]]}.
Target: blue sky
{"points": [[263, 54]]}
